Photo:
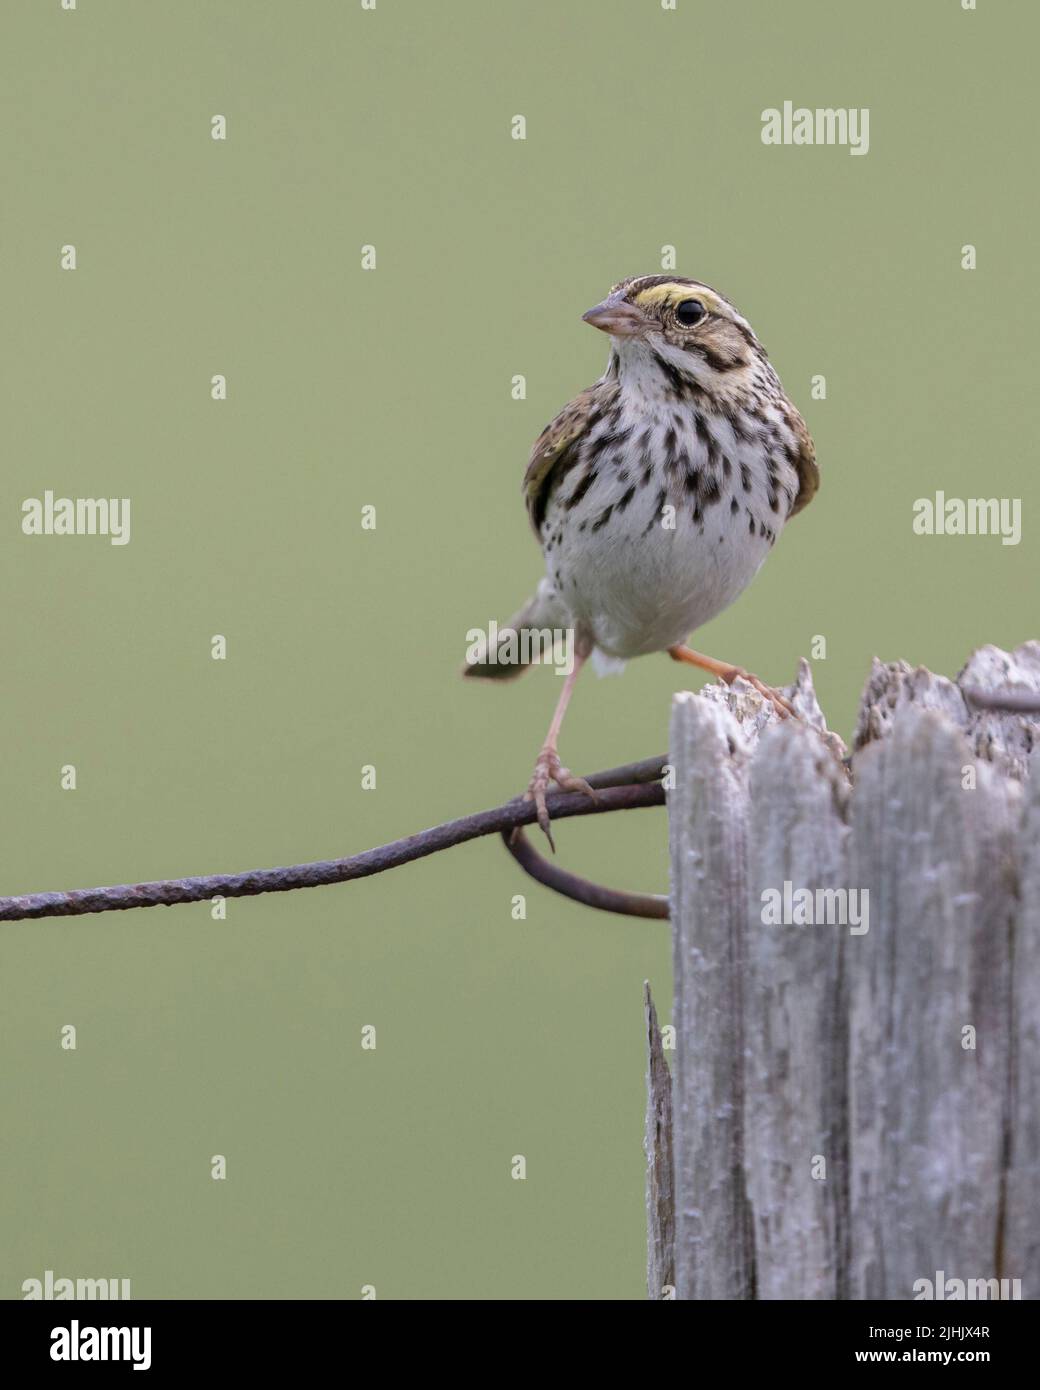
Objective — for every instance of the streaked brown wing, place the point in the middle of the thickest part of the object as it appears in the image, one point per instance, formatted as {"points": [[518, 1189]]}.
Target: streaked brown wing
{"points": [[805, 464], [555, 450]]}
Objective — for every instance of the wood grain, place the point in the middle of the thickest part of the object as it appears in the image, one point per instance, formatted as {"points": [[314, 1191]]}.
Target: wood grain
{"points": [[854, 1110]]}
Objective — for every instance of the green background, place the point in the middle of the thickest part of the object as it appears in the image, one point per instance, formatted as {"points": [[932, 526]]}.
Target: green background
{"points": [[392, 388]]}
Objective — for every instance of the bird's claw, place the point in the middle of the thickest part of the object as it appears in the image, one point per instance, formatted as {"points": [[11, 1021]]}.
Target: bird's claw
{"points": [[780, 703], [549, 769]]}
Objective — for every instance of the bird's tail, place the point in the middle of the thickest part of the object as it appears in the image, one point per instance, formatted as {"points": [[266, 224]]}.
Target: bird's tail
{"points": [[533, 634]]}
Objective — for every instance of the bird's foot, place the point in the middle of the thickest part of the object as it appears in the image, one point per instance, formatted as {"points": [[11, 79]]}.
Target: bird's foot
{"points": [[549, 769], [729, 674], [780, 703]]}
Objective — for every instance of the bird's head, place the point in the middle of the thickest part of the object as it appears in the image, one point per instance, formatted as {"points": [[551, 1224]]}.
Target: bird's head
{"points": [[665, 324]]}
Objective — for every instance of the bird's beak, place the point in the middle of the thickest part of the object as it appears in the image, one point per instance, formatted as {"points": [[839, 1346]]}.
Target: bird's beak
{"points": [[616, 317]]}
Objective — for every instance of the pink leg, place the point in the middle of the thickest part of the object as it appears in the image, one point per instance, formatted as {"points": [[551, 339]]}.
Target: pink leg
{"points": [[548, 767], [729, 674]]}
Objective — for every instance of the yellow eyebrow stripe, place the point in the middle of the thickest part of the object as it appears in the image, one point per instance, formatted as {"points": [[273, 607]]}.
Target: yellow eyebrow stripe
{"points": [[658, 294]]}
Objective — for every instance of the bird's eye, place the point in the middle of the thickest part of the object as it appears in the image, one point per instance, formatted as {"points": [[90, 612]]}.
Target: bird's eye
{"points": [[689, 312]]}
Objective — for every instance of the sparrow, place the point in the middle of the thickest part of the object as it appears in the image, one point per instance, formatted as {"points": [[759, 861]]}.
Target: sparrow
{"points": [[656, 494]]}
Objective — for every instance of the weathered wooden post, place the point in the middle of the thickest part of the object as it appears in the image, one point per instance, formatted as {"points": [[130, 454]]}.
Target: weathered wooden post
{"points": [[853, 1109]]}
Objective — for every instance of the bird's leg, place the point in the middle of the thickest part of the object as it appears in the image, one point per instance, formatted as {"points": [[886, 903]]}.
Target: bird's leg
{"points": [[548, 767], [729, 674]]}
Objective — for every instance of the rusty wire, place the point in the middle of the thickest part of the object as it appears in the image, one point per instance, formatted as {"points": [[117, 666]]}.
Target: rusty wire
{"points": [[618, 789]]}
